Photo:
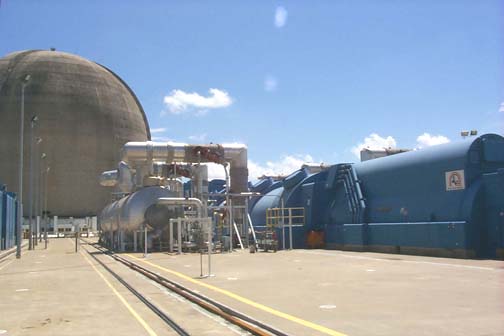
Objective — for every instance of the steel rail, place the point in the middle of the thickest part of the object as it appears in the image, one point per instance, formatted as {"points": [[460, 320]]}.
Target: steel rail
{"points": [[245, 322], [177, 328]]}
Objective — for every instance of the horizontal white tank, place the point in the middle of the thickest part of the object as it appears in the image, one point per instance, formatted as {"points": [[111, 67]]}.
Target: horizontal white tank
{"points": [[129, 213]]}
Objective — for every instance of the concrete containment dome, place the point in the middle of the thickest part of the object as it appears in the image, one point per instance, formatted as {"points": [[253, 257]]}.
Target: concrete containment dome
{"points": [[86, 113]]}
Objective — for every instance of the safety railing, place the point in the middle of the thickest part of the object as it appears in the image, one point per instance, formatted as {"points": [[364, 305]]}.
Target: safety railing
{"points": [[285, 218]]}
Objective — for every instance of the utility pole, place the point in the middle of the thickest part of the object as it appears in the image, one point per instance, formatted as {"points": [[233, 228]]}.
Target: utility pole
{"points": [[33, 123], [19, 230]]}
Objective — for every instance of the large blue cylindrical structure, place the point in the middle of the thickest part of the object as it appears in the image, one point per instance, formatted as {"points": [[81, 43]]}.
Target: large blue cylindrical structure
{"points": [[446, 200]]}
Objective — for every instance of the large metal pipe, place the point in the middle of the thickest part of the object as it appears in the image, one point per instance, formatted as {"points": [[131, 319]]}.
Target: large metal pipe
{"points": [[183, 201], [109, 178], [138, 154]]}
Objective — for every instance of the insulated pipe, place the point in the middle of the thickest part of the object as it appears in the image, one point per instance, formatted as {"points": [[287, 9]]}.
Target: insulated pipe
{"points": [[352, 196], [359, 194], [351, 183], [141, 153], [182, 201], [109, 178]]}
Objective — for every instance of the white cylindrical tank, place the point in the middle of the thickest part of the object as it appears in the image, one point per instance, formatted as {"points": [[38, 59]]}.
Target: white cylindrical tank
{"points": [[129, 213]]}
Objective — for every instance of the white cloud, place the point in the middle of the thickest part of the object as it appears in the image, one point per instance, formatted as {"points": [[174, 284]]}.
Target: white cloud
{"points": [[157, 130], [501, 108], [280, 17], [374, 141], [179, 101], [215, 171], [426, 140], [286, 165], [199, 137], [270, 83]]}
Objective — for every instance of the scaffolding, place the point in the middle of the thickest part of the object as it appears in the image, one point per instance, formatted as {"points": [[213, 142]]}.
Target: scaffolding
{"points": [[282, 218]]}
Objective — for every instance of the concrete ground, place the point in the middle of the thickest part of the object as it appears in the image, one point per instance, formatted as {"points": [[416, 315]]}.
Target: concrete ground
{"points": [[322, 292], [302, 292], [60, 292]]}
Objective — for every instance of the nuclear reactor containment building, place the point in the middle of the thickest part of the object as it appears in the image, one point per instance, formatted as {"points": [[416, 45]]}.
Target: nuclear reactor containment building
{"points": [[86, 113]]}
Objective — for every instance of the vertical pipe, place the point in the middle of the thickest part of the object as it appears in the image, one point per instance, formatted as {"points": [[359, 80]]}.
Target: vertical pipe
{"points": [[201, 263], [360, 195], [37, 230], [283, 224], [76, 237], [35, 196], [39, 204], [46, 222], [20, 196], [209, 247], [55, 225], [171, 234], [145, 240], [121, 241], [246, 221], [30, 189], [41, 193], [44, 212], [37, 192], [135, 247], [231, 220], [179, 235], [229, 209], [290, 229]]}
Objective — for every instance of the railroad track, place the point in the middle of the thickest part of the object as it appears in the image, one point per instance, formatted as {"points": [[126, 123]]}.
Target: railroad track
{"points": [[4, 254], [233, 316]]}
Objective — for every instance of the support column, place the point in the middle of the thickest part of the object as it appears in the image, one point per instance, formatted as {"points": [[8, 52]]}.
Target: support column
{"points": [[179, 234], [37, 232], [122, 246], [171, 236], [55, 225]]}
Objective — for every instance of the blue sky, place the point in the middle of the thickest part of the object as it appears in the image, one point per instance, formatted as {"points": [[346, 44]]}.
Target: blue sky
{"points": [[294, 80]]}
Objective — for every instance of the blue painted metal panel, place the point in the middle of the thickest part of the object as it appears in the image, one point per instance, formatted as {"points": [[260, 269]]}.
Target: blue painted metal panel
{"points": [[447, 235], [298, 237], [261, 185], [216, 185], [293, 179], [492, 150], [395, 186], [8, 218], [353, 234], [406, 199], [492, 229], [270, 200], [11, 219]]}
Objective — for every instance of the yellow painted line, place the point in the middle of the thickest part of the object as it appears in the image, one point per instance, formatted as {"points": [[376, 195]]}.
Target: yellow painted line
{"points": [[237, 297], [122, 299]]}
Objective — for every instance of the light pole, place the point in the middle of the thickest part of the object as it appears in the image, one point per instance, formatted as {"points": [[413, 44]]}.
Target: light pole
{"points": [[19, 230], [35, 174], [33, 123], [45, 205], [39, 170]]}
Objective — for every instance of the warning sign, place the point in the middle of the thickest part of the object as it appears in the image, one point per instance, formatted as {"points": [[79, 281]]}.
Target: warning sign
{"points": [[455, 180]]}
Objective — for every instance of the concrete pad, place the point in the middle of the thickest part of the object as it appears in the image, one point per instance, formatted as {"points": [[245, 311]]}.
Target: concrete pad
{"points": [[57, 292], [351, 293], [192, 318]]}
